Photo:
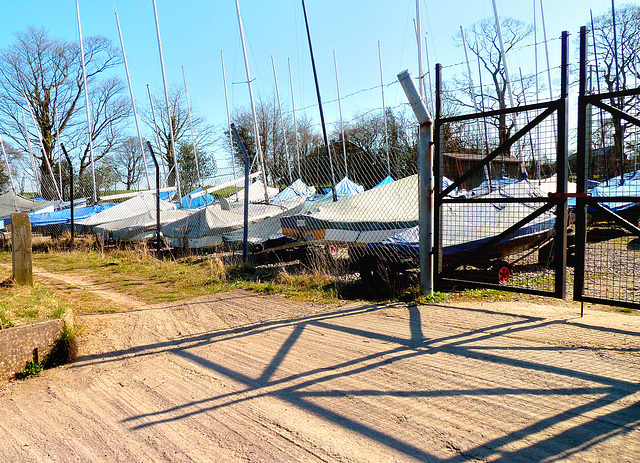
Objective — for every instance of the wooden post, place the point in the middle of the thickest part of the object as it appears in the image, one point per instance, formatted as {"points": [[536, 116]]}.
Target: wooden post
{"points": [[21, 248]]}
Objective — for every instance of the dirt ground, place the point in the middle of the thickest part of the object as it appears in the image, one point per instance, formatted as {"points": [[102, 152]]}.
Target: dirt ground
{"points": [[259, 378]]}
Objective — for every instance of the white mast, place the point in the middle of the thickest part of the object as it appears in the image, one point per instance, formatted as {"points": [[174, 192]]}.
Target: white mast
{"points": [[36, 177], [506, 75], [193, 138], [419, 36], [133, 104], [6, 160], [502, 51], [472, 94], [384, 111], [295, 124], [428, 95], [284, 130], [55, 120], [226, 99], [253, 106], [44, 154], [155, 125], [166, 97], [86, 101], [344, 146], [546, 49]]}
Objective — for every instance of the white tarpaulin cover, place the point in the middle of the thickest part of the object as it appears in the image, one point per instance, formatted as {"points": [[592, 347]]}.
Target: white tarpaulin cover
{"points": [[131, 207]]}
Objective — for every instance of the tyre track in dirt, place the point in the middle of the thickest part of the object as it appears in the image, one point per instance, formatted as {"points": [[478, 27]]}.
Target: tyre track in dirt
{"points": [[62, 282], [245, 377]]}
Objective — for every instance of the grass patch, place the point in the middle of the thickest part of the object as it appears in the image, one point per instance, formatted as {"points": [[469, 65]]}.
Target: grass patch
{"points": [[625, 310], [28, 304], [33, 368]]}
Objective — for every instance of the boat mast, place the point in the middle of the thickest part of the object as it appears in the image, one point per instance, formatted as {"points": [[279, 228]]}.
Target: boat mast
{"points": [[384, 111], [44, 153], [193, 138], [324, 127], [166, 97], [86, 101], [36, 177], [472, 95], [253, 106], [55, 121], [6, 160], [428, 94], [295, 124], [284, 130], [226, 99], [133, 104], [506, 75], [344, 145], [155, 126], [546, 49], [419, 37]]}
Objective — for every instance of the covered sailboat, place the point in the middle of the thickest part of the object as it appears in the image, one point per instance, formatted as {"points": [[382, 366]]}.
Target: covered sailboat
{"points": [[129, 208], [205, 227], [370, 216]]}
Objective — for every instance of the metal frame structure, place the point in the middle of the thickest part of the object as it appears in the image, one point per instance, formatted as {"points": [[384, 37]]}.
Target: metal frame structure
{"points": [[584, 199], [557, 200]]}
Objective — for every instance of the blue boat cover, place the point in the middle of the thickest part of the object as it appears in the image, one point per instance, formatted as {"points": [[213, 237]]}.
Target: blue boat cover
{"points": [[64, 216], [387, 179], [195, 203], [297, 188], [344, 189]]}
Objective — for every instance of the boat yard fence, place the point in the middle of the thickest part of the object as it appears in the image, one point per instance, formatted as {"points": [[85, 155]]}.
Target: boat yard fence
{"points": [[514, 208]]}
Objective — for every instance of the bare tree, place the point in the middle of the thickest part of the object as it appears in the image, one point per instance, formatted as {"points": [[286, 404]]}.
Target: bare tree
{"points": [[203, 131], [618, 67], [44, 75], [128, 162], [271, 139], [482, 40]]}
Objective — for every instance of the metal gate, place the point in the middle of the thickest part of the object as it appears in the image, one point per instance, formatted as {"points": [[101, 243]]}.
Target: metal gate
{"points": [[493, 227], [607, 234]]}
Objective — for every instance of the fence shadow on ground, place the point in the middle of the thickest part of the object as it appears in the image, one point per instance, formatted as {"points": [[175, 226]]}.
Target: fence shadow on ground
{"points": [[601, 420]]}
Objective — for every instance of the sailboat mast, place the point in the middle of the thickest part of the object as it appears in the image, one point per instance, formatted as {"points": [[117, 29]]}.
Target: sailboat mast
{"points": [[55, 121], [44, 154], [427, 92], [472, 95], [253, 106], [36, 177], [324, 127], [546, 49], [507, 77], [155, 126], [419, 37], [284, 130], [226, 99], [133, 104], [193, 138], [384, 111], [503, 52], [295, 123], [344, 145], [86, 100], [6, 160], [169, 116]]}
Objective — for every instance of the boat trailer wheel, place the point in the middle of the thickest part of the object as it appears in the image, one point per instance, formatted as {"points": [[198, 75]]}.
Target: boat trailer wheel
{"points": [[504, 274]]}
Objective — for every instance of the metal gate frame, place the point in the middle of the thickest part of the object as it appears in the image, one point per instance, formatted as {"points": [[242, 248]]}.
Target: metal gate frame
{"points": [[559, 200], [583, 199]]}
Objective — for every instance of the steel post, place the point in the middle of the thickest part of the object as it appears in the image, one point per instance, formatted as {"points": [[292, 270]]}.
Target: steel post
{"points": [[425, 181]]}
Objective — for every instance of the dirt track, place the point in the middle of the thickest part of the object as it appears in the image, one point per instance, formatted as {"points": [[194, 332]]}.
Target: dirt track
{"points": [[242, 377]]}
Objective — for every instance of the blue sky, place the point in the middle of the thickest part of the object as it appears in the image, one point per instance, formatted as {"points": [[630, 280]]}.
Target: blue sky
{"points": [[195, 31]]}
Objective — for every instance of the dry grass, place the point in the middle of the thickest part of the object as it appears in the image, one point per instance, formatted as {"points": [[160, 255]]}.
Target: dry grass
{"points": [[21, 305]]}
